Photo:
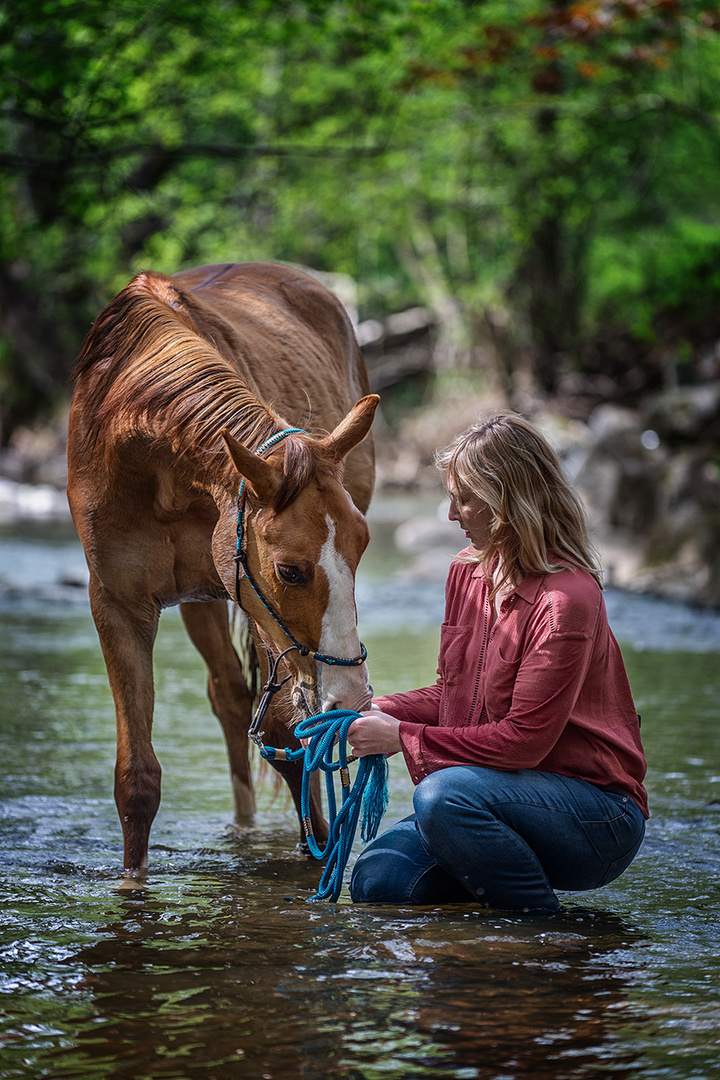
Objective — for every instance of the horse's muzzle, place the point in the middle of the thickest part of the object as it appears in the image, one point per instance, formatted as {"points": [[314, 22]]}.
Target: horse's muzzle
{"points": [[305, 700]]}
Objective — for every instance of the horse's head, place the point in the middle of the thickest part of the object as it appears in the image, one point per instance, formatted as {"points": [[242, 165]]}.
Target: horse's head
{"points": [[302, 539]]}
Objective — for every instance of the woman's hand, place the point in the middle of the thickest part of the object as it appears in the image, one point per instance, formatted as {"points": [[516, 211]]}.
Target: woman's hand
{"points": [[374, 732]]}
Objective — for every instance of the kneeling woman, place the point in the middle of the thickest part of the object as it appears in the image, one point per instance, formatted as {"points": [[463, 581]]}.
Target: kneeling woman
{"points": [[526, 752]]}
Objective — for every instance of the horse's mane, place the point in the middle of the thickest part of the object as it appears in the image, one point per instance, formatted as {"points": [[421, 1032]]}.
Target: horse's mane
{"points": [[148, 373]]}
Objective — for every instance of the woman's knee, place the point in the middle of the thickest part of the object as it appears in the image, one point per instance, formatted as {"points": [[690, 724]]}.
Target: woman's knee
{"points": [[430, 797], [398, 869], [443, 798], [368, 884]]}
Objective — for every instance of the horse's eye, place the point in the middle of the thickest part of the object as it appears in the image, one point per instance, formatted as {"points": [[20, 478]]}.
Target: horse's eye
{"points": [[291, 575]]}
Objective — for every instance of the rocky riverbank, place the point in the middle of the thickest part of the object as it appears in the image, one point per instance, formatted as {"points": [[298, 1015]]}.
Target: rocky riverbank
{"points": [[33, 473], [650, 478]]}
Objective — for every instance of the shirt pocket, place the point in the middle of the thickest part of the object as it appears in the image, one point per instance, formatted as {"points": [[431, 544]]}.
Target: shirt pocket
{"points": [[500, 678], [453, 657]]}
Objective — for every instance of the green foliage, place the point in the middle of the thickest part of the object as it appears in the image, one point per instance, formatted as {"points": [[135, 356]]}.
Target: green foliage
{"points": [[675, 272], [556, 162]]}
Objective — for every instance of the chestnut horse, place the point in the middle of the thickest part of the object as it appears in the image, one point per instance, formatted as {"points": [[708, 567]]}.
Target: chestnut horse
{"points": [[177, 385]]}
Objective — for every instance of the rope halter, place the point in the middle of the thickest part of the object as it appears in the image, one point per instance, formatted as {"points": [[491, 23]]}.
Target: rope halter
{"points": [[241, 559]]}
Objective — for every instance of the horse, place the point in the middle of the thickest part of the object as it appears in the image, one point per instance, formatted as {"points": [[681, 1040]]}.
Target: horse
{"points": [[219, 401]]}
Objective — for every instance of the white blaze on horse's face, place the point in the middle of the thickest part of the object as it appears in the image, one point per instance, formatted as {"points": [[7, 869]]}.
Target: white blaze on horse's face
{"points": [[340, 686]]}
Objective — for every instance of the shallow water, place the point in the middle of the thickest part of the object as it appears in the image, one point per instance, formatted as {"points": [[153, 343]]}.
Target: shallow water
{"points": [[220, 967]]}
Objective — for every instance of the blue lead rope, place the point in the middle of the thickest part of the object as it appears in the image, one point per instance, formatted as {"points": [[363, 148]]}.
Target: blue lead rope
{"points": [[368, 794]]}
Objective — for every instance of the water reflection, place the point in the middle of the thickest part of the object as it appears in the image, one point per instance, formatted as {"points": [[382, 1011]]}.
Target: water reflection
{"points": [[294, 989]]}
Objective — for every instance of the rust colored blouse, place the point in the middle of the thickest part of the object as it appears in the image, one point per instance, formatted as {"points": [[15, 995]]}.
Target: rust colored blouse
{"points": [[541, 686]]}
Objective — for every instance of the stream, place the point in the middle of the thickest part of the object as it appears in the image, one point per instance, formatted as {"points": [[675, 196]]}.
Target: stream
{"points": [[220, 967]]}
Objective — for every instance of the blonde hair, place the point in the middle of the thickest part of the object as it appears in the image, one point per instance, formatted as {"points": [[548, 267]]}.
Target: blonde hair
{"points": [[535, 514]]}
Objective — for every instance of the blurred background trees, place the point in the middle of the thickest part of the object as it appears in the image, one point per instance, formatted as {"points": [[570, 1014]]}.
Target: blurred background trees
{"points": [[543, 178]]}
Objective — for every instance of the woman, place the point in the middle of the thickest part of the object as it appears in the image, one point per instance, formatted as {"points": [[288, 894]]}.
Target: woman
{"points": [[526, 752]]}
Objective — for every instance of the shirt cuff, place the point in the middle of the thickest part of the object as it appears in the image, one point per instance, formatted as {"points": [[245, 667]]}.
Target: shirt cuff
{"points": [[389, 704], [412, 744]]}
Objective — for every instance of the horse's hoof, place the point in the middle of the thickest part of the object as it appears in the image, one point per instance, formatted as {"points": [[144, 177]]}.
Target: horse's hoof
{"points": [[240, 826], [132, 881]]}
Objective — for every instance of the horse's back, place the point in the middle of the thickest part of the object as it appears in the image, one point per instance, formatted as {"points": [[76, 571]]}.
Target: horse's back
{"points": [[291, 339], [278, 325], [272, 328]]}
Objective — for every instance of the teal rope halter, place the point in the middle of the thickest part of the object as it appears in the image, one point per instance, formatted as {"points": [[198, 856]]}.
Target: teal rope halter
{"points": [[241, 559], [368, 795]]}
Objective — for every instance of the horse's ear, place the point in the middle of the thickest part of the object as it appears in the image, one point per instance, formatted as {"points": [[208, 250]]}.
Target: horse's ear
{"points": [[353, 428], [261, 476]]}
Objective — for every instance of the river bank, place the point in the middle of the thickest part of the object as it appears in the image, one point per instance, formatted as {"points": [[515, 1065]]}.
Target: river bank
{"points": [[649, 477]]}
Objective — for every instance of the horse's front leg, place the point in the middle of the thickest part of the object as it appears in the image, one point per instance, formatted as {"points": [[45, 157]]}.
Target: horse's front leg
{"points": [[127, 636], [208, 627]]}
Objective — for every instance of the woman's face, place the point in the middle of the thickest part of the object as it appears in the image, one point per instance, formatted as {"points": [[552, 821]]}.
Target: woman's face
{"points": [[473, 514]]}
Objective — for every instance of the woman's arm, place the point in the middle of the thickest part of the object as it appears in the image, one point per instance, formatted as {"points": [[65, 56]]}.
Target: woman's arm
{"points": [[415, 706]]}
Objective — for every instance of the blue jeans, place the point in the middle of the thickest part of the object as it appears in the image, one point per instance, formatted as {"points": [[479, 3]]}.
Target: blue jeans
{"points": [[505, 838]]}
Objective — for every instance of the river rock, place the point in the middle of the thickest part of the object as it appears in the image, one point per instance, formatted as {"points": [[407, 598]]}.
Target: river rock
{"points": [[432, 540], [620, 476], [654, 508], [424, 531], [686, 414]]}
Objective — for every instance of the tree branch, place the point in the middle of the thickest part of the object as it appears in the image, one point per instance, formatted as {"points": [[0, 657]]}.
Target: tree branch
{"points": [[30, 163]]}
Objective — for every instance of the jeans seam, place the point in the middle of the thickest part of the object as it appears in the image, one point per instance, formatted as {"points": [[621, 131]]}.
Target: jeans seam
{"points": [[631, 852], [561, 810]]}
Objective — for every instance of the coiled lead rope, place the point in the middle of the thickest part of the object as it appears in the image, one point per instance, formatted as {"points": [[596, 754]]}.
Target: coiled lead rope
{"points": [[368, 794]]}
